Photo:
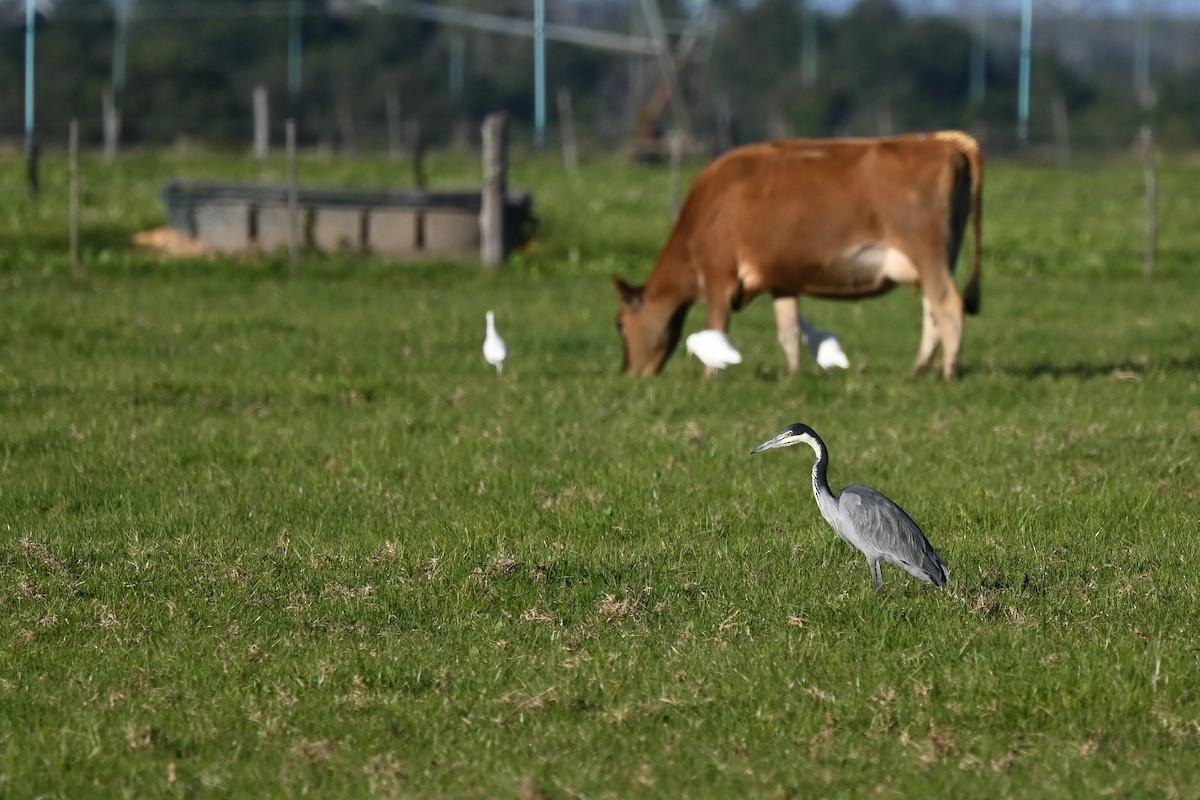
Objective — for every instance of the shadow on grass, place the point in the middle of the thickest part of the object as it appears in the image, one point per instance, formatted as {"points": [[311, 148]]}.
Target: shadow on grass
{"points": [[1119, 369], [1020, 582], [94, 237]]}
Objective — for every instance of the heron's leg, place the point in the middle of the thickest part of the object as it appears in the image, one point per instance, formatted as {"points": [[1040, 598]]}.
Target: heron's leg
{"points": [[929, 337], [876, 574], [787, 331]]}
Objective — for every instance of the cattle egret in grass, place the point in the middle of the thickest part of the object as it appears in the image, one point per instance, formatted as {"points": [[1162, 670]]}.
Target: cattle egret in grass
{"points": [[880, 529], [494, 350], [713, 348], [825, 347]]}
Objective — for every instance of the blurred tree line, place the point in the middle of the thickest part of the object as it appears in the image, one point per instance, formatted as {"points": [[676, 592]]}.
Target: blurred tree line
{"points": [[191, 68]]}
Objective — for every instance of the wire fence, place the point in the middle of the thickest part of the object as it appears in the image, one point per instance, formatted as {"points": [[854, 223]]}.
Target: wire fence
{"points": [[1061, 49]]}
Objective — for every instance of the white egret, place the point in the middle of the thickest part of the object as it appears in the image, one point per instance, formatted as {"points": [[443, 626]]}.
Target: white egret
{"points": [[713, 348], [825, 347], [494, 349]]}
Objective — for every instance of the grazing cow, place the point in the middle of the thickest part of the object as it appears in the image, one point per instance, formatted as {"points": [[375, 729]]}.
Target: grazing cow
{"points": [[839, 218]]}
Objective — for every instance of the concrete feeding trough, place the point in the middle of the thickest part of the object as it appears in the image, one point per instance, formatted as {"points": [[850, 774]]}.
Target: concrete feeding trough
{"points": [[247, 218]]}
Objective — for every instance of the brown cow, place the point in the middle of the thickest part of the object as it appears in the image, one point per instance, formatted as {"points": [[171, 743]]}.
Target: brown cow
{"points": [[840, 218]]}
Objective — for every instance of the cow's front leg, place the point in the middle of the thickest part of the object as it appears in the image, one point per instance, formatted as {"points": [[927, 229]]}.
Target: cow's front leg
{"points": [[720, 305], [929, 337], [720, 308], [787, 331]]}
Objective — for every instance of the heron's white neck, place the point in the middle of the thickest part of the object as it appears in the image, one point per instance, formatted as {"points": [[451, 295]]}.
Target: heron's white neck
{"points": [[491, 322], [826, 499]]}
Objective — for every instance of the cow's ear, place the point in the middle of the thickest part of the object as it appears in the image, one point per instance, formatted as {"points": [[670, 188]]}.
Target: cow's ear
{"points": [[630, 295]]}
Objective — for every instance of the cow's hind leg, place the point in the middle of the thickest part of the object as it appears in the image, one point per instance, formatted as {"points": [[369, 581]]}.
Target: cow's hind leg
{"points": [[929, 337], [787, 331], [947, 308]]}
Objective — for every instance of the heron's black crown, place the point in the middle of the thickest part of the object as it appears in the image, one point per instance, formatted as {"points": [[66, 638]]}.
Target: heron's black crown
{"points": [[798, 428]]}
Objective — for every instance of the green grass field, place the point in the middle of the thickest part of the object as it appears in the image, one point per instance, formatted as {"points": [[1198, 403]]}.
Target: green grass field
{"points": [[263, 537]]}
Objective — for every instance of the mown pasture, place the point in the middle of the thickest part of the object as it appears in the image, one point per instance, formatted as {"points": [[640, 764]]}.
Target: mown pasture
{"points": [[266, 537]]}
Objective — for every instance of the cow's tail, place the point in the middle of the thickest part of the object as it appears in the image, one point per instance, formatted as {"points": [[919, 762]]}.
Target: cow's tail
{"points": [[970, 148]]}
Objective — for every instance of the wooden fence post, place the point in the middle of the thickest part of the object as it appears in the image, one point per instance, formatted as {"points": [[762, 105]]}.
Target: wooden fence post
{"points": [[1062, 129], [495, 190], [566, 127], [292, 202], [73, 150], [726, 124], [675, 142], [343, 115], [262, 123], [31, 166], [112, 123], [417, 143], [395, 134], [1150, 168]]}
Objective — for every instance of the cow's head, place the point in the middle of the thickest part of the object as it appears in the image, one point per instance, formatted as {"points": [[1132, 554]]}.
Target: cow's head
{"points": [[650, 331]]}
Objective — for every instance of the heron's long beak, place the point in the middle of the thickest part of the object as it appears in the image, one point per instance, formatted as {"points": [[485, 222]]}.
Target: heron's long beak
{"points": [[782, 440]]}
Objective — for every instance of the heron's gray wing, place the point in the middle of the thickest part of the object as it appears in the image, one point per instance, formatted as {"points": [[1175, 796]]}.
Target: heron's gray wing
{"points": [[887, 529]]}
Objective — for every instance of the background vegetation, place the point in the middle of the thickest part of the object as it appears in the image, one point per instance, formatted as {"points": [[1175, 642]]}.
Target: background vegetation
{"points": [[263, 537], [191, 68]]}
